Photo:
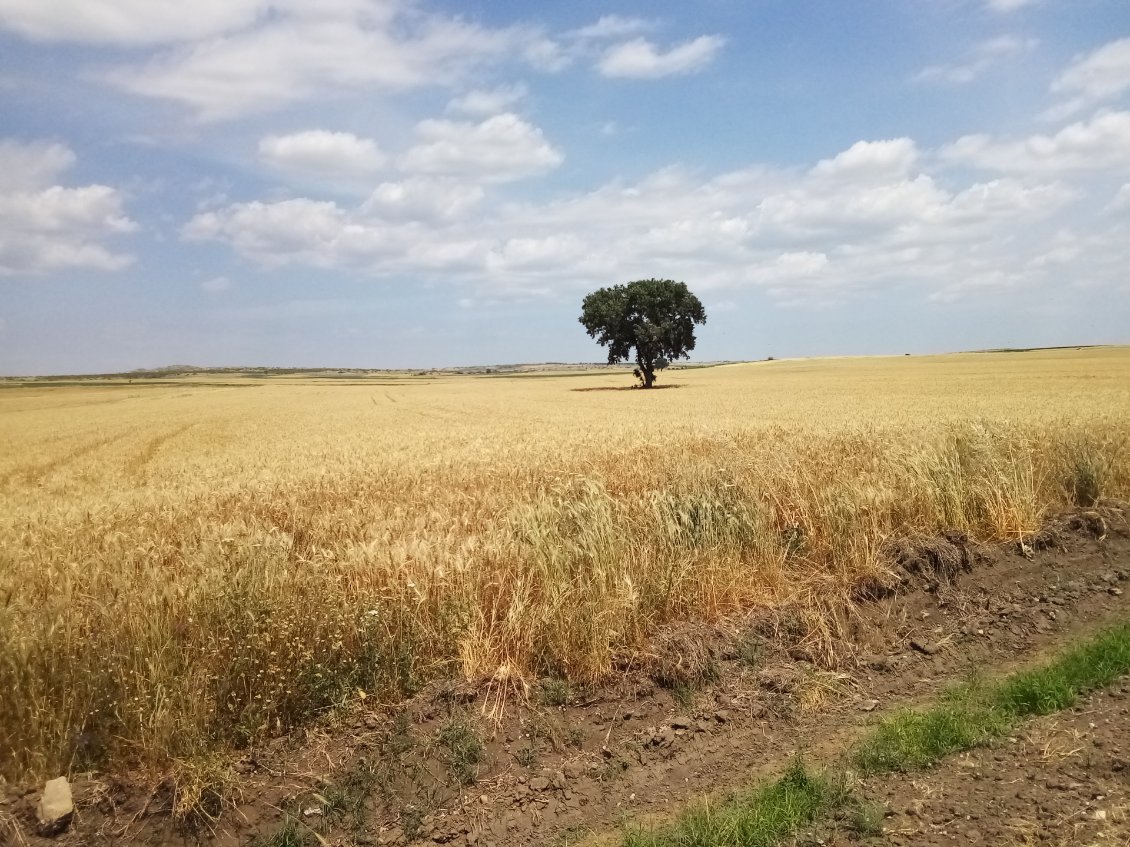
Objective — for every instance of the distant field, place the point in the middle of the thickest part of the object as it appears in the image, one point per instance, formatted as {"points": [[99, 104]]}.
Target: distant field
{"points": [[190, 565]]}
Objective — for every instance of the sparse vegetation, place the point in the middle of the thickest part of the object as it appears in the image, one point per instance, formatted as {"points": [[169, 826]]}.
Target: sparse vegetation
{"points": [[526, 756], [971, 715], [463, 750], [186, 570], [555, 691], [976, 713], [761, 818], [290, 835]]}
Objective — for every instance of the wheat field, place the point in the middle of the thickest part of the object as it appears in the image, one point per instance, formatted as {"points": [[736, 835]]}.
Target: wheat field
{"points": [[186, 568]]}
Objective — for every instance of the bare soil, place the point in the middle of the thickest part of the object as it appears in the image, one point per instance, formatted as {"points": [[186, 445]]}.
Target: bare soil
{"points": [[711, 709]]}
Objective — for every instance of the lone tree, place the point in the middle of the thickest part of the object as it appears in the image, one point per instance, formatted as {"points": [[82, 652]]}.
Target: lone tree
{"points": [[656, 317]]}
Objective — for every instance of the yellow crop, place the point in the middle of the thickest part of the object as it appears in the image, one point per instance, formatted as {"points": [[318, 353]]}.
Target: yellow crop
{"points": [[192, 566]]}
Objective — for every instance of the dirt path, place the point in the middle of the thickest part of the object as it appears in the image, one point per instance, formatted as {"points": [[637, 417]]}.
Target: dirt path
{"points": [[555, 774], [1060, 780]]}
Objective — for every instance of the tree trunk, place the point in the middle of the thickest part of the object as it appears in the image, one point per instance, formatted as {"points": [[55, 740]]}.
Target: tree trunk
{"points": [[648, 376]]}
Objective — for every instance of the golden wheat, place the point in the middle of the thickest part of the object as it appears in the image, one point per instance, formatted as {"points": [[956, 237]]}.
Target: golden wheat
{"points": [[186, 568]]}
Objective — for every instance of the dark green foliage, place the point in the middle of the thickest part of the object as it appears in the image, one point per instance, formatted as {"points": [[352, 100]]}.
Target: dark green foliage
{"points": [[654, 317]]}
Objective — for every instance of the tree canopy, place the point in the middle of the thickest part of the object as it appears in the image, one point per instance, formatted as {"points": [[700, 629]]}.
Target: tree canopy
{"points": [[654, 317]]}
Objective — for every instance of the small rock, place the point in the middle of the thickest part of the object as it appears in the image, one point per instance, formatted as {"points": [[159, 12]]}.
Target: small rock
{"points": [[869, 705], [1115, 592], [681, 722], [556, 778], [56, 807], [722, 716], [539, 783]]}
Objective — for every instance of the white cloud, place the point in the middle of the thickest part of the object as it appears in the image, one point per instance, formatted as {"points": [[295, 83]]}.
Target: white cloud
{"points": [[46, 227], [322, 153], [550, 251], [300, 230], [862, 220], [612, 26], [640, 59], [547, 55], [880, 159], [484, 102], [1101, 143], [1006, 6], [127, 22], [1120, 203], [984, 56], [424, 198], [500, 149], [31, 166], [308, 50], [1103, 74]]}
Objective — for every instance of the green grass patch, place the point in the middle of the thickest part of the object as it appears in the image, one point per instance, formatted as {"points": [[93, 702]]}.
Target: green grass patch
{"points": [[974, 714], [763, 816]]}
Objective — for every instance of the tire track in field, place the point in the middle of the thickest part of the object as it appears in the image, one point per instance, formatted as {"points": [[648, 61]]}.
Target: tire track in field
{"points": [[136, 468], [35, 472]]}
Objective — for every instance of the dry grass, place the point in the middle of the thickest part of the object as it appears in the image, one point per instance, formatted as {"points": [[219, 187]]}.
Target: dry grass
{"points": [[187, 568]]}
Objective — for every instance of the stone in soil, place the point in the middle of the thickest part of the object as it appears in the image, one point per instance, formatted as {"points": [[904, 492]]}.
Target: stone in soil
{"points": [[56, 807]]}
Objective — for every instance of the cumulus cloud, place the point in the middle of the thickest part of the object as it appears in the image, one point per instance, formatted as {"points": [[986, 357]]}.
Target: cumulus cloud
{"points": [[225, 59], [1095, 77], [305, 50], [31, 166], [482, 102], [1101, 143], [45, 226], [300, 230], [867, 217], [875, 158], [427, 198], [127, 22], [640, 59], [984, 56], [499, 149], [322, 153]]}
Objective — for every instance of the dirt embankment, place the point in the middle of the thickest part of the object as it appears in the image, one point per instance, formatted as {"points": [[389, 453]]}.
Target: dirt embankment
{"points": [[713, 709]]}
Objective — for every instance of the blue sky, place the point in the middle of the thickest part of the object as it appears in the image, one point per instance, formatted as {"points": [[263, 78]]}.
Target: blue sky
{"points": [[389, 183]]}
